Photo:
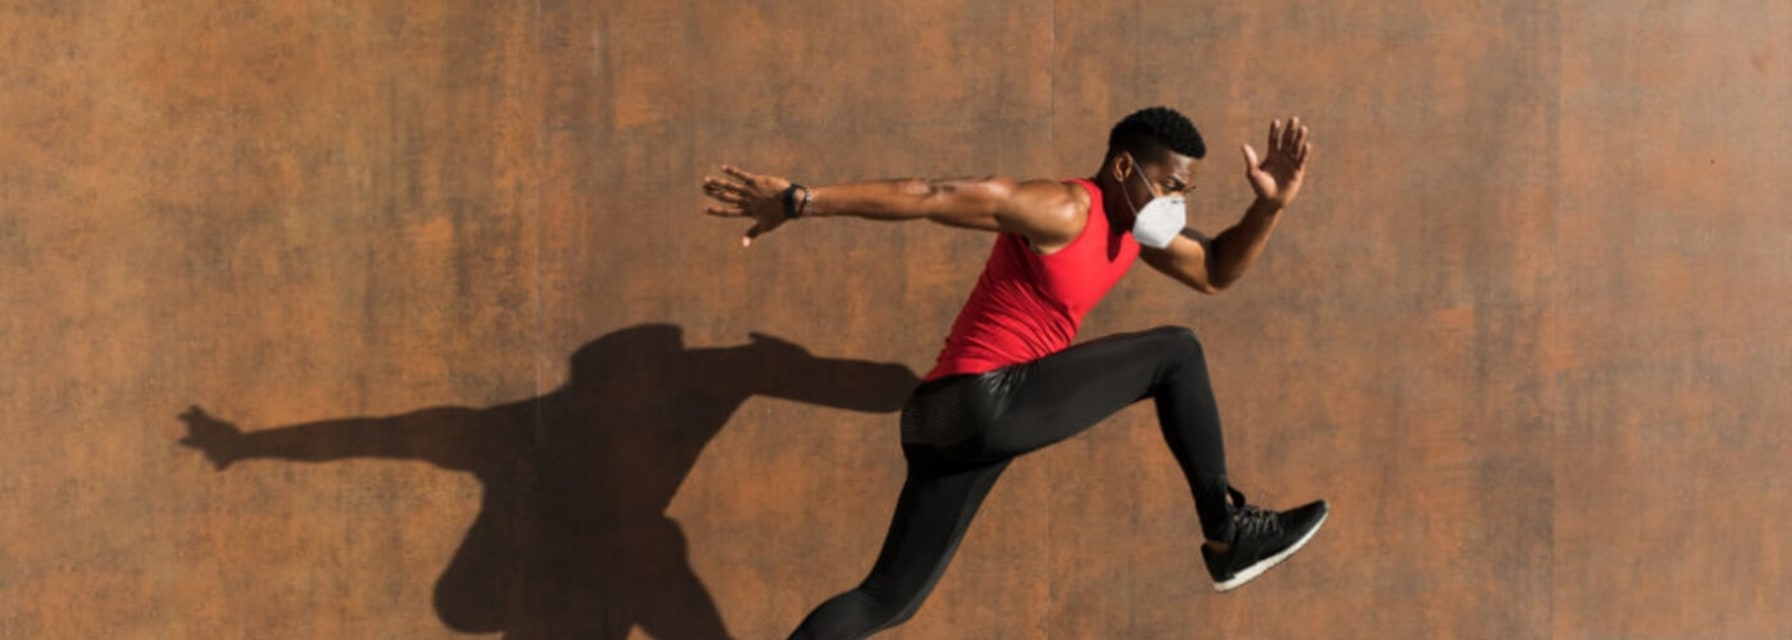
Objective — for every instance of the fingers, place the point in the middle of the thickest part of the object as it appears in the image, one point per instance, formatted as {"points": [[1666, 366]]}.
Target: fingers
{"points": [[740, 174], [1299, 145], [1250, 160], [724, 212], [715, 186], [1287, 138], [725, 196]]}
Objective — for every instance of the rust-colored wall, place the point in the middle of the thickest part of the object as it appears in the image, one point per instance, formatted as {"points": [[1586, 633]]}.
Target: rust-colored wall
{"points": [[1527, 327]]}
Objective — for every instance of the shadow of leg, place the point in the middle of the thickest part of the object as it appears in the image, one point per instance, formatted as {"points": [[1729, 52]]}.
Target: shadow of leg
{"points": [[479, 591], [637, 574], [680, 607]]}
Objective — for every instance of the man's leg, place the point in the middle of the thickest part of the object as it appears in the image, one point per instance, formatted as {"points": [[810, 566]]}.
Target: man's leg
{"points": [[937, 503], [1070, 391]]}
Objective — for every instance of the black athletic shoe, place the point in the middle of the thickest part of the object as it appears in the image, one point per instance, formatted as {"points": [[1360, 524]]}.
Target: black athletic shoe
{"points": [[1261, 539]]}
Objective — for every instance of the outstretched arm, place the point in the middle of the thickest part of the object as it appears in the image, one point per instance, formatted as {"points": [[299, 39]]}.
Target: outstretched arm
{"points": [[1044, 211], [1211, 264]]}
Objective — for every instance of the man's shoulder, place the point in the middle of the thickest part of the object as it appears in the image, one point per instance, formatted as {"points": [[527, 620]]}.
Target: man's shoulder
{"points": [[1058, 199], [1052, 212]]}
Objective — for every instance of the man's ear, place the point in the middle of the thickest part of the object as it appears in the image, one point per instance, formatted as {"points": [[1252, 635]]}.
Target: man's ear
{"points": [[1123, 163]]}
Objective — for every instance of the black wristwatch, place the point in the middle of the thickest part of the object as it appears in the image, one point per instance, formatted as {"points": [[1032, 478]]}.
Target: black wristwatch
{"points": [[791, 210]]}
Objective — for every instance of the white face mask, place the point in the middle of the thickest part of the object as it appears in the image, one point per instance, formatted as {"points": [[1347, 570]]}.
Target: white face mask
{"points": [[1161, 220]]}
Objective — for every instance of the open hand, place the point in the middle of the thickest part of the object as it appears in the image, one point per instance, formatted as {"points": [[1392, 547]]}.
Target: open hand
{"points": [[216, 438], [747, 195], [1276, 178]]}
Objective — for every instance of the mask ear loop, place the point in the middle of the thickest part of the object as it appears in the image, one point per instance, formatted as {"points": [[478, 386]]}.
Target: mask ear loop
{"points": [[1141, 174]]}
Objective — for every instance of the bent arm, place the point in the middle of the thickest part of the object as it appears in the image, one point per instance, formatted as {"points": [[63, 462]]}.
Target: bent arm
{"points": [[1209, 265]]}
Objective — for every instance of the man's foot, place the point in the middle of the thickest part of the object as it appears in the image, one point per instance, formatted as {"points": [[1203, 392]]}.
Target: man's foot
{"points": [[1261, 539]]}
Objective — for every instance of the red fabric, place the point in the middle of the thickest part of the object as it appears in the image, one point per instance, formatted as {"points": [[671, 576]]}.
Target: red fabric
{"points": [[1027, 306]]}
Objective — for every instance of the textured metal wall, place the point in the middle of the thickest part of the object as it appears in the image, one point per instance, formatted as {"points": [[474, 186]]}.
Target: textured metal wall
{"points": [[1528, 327]]}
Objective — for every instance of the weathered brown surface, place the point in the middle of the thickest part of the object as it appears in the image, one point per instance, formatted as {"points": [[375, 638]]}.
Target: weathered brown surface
{"points": [[1527, 329]]}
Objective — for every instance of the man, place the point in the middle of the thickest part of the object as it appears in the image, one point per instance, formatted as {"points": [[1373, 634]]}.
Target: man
{"points": [[1008, 382]]}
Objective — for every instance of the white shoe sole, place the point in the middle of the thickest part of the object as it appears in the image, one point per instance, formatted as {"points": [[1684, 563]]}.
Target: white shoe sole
{"points": [[1255, 570]]}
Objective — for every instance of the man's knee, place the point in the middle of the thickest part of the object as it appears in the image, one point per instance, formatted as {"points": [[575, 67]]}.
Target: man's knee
{"points": [[1179, 340]]}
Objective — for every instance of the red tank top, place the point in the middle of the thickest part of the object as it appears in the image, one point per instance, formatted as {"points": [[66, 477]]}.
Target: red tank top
{"points": [[1027, 306]]}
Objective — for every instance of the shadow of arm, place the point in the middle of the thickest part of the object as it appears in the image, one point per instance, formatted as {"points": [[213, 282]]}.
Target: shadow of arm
{"points": [[450, 437], [781, 369]]}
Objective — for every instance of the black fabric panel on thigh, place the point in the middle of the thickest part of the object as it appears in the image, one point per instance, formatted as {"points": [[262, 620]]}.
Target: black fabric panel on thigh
{"points": [[1075, 389]]}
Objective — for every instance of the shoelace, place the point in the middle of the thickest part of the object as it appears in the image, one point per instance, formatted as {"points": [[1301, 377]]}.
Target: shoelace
{"points": [[1257, 521]]}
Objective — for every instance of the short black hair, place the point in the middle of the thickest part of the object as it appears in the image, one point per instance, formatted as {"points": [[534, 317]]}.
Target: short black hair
{"points": [[1147, 132]]}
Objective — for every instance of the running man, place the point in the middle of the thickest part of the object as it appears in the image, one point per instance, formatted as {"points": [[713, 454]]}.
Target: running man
{"points": [[1008, 380]]}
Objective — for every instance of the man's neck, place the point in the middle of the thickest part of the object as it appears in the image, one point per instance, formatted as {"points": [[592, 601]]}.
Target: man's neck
{"points": [[1114, 205]]}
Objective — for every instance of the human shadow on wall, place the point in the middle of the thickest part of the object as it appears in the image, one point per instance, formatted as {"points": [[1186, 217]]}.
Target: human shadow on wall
{"points": [[572, 540]]}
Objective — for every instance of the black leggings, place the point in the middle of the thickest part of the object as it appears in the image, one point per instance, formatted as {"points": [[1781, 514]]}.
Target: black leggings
{"points": [[960, 432]]}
